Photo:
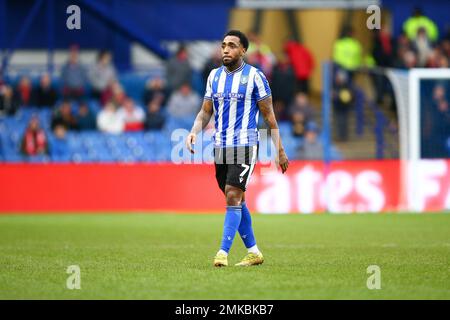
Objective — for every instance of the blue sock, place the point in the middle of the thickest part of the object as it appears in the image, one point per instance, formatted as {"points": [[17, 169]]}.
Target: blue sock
{"points": [[232, 221], [245, 228]]}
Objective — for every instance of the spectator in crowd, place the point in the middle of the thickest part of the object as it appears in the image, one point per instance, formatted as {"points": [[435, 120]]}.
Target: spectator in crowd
{"points": [[85, 118], [402, 45], [109, 120], [312, 147], [440, 53], [8, 102], [259, 54], [434, 58], [417, 21], [59, 147], [347, 52], [407, 60], [132, 115], [155, 87], [155, 118], [63, 116], [299, 123], [301, 103], [445, 43], [343, 101], [280, 111], [403, 42], [114, 93], [34, 141], [213, 62], [443, 62], [283, 87], [440, 127], [178, 70], [184, 102], [383, 52], [24, 92], [102, 73], [45, 95], [383, 47], [73, 76], [302, 61], [422, 46], [439, 93]]}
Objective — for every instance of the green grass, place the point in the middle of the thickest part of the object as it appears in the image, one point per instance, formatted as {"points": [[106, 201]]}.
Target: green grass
{"points": [[147, 256]]}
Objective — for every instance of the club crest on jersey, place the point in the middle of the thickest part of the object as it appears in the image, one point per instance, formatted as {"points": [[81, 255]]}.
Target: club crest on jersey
{"points": [[244, 79]]}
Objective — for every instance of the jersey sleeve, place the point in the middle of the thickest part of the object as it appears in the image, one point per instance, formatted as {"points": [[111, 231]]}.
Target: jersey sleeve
{"points": [[261, 88], [208, 91]]}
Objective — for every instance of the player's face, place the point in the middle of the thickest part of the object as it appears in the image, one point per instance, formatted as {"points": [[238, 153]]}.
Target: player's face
{"points": [[232, 50]]}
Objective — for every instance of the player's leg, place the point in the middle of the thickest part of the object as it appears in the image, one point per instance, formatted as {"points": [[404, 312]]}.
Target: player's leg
{"points": [[254, 256], [221, 168], [233, 210], [233, 213], [246, 229]]}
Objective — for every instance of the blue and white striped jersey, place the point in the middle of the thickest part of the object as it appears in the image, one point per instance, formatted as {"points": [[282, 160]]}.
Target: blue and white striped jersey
{"points": [[235, 96]]}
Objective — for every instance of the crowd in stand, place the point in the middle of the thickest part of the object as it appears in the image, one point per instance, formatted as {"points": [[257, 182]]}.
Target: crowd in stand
{"points": [[417, 46], [119, 113]]}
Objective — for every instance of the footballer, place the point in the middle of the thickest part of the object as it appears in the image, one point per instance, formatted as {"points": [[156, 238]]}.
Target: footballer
{"points": [[235, 94]]}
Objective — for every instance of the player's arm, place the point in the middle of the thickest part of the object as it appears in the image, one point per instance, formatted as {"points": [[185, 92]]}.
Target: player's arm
{"points": [[266, 109], [201, 121]]}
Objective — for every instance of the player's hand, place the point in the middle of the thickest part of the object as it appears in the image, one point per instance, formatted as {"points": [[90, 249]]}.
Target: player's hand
{"points": [[283, 161], [190, 142]]}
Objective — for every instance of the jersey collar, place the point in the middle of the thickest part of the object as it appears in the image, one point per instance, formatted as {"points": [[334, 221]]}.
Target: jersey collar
{"points": [[237, 70]]}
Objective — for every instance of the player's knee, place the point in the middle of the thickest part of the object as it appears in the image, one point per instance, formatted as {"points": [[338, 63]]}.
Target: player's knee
{"points": [[233, 196]]}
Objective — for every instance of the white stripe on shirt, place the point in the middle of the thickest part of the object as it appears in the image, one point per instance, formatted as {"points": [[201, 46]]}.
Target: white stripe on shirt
{"points": [[220, 89], [260, 85], [247, 105], [233, 108], [208, 93]]}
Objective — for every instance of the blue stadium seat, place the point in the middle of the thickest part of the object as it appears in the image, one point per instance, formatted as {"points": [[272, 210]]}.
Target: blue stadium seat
{"points": [[94, 106], [13, 157], [65, 158], [105, 156], [3, 128], [335, 154], [78, 157], [38, 159], [285, 128], [134, 85], [127, 158], [75, 143]]}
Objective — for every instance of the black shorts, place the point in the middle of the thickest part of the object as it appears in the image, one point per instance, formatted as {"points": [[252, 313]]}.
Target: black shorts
{"points": [[234, 165]]}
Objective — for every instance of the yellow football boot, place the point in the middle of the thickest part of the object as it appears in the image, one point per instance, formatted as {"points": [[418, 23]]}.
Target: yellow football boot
{"points": [[251, 259], [220, 260]]}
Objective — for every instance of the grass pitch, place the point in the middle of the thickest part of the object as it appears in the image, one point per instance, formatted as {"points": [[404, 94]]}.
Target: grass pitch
{"points": [[148, 256]]}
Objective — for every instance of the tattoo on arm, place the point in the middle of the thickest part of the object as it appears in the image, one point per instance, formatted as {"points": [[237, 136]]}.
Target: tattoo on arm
{"points": [[203, 117], [266, 108]]}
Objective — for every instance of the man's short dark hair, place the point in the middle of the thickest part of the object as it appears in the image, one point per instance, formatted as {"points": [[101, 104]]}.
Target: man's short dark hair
{"points": [[242, 37]]}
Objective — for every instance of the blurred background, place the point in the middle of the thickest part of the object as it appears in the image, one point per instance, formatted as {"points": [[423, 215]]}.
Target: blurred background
{"points": [[87, 86]]}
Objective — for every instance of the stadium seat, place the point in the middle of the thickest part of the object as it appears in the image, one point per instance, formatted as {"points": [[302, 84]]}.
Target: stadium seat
{"points": [[13, 157], [285, 128], [37, 159]]}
